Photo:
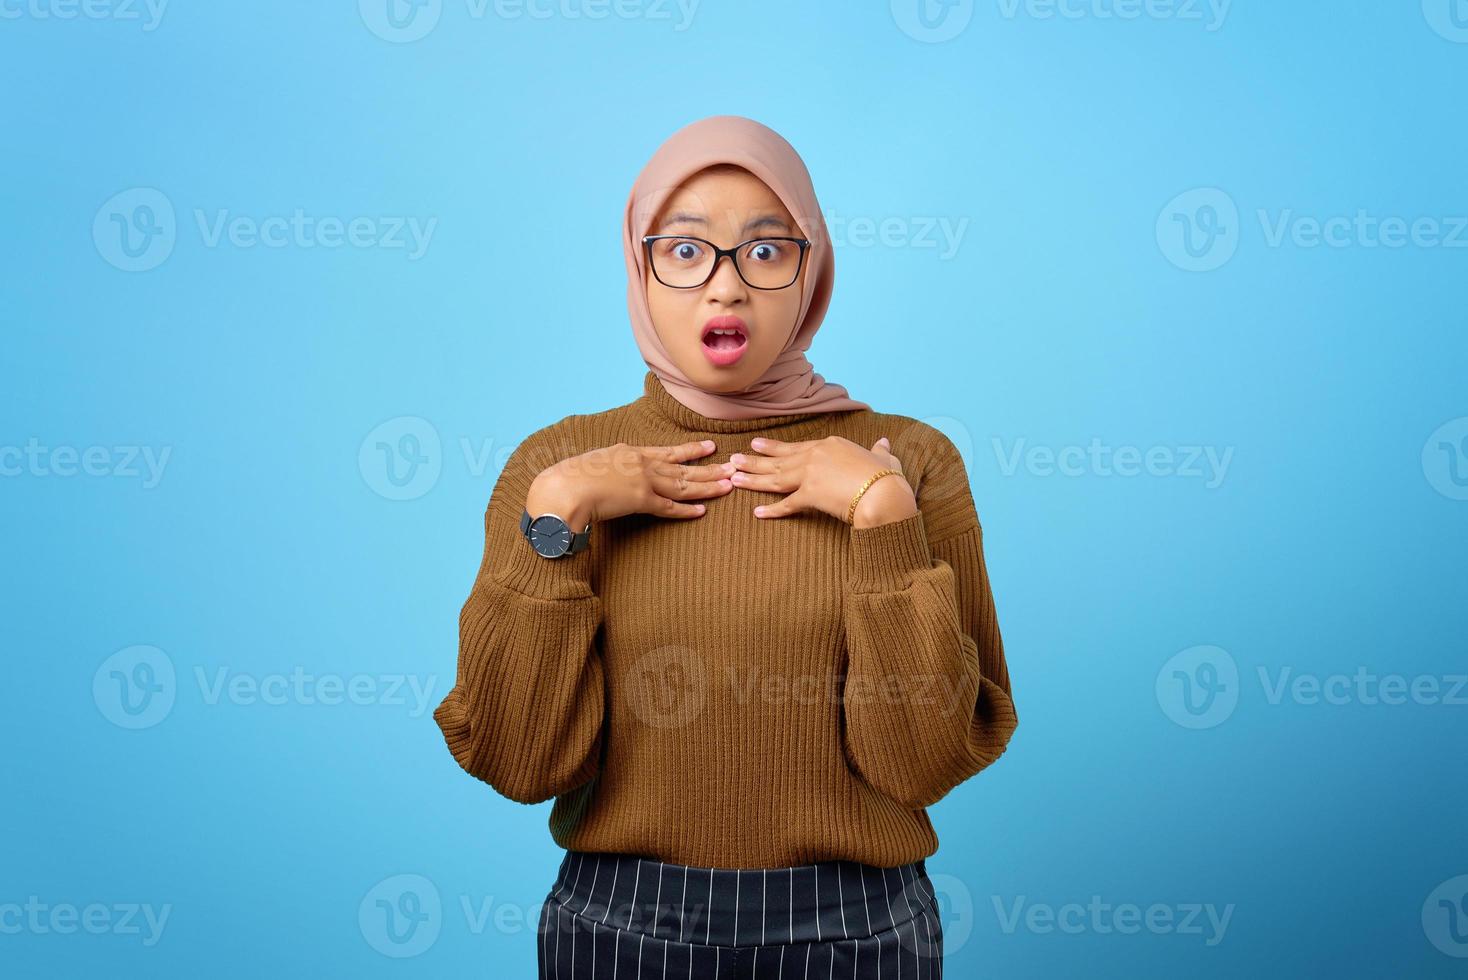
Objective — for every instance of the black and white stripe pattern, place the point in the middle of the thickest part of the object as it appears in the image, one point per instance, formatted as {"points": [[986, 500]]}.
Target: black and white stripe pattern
{"points": [[623, 917]]}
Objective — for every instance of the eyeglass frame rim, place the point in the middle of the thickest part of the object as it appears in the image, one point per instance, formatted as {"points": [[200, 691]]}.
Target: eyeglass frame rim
{"points": [[719, 253]]}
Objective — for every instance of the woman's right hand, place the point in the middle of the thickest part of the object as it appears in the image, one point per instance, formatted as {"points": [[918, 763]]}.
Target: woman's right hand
{"points": [[624, 479]]}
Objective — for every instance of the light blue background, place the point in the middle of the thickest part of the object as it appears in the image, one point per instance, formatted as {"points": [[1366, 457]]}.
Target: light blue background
{"points": [[1333, 543]]}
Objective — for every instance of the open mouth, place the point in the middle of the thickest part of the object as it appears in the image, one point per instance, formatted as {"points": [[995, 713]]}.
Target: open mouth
{"points": [[725, 339]]}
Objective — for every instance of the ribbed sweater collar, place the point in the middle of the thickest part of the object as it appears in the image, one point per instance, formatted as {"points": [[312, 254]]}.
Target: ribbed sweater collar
{"points": [[656, 400]]}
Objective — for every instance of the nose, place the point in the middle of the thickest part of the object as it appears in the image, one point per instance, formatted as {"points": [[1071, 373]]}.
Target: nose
{"points": [[726, 285]]}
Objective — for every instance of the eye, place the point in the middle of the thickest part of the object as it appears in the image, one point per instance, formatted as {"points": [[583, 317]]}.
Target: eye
{"points": [[767, 251], [680, 249]]}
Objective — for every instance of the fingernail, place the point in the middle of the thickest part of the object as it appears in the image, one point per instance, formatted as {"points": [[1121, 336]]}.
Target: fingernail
{"points": [[759, 512], [737, 458]]}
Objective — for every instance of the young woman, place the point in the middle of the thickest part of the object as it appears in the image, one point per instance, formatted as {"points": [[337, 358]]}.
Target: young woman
{"points": [[740, 629]]}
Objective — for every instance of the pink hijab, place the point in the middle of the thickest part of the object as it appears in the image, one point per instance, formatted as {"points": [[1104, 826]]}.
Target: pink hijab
{"points": [[790, 385]]}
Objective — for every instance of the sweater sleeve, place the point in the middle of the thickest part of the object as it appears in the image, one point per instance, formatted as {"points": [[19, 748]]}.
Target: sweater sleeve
{"points": [[926, 699], [525, 712]]}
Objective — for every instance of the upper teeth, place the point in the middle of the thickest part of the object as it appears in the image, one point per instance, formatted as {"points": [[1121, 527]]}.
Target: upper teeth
{"points": [[725, 330]]}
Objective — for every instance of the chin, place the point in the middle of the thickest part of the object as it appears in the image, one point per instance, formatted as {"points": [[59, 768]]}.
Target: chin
{"points": [[723, 380], [719, 380]]}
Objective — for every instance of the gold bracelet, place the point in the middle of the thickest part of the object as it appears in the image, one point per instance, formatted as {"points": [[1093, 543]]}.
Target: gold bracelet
{"points": [[851, 511]]}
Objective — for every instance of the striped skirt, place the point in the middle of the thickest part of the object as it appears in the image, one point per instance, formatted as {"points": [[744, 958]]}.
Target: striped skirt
{"points": [[622, 917]]}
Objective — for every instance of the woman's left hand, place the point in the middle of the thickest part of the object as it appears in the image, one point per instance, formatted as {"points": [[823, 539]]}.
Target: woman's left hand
{"points": [[824, 474]]}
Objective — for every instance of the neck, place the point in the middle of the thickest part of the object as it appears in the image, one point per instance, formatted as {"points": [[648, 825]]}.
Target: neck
{"points": [[657, 400]]}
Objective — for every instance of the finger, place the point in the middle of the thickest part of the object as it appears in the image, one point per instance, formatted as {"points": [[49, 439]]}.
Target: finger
{"points": [[664, 507], [883, 447], [707, 471], [754, 464], [677, 488], [791, 504], [775, 482], [774, 447], [681, 451], [772, 481]]}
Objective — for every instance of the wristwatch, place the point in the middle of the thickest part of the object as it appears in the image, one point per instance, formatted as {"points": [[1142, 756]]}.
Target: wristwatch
{"points": [[552, 537]]}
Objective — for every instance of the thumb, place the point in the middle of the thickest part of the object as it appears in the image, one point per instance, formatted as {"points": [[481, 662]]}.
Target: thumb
{"points": [[882, 445]]}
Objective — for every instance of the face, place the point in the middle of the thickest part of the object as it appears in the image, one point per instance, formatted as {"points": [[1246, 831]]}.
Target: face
{"points": [[727, 206]]}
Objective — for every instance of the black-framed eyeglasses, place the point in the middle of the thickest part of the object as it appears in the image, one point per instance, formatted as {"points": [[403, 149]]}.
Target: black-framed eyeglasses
{"points": [[686, 262]]}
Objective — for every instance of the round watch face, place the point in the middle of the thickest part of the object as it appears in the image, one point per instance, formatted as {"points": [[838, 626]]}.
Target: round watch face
{"points": [[550, 536]]}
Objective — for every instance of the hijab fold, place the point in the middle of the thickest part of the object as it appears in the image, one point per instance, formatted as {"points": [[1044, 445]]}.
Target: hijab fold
{"points": [[790, 385]]}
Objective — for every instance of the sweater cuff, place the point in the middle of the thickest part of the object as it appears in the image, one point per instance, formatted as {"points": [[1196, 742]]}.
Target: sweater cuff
{"points": [[885, 556], [530, 573]]}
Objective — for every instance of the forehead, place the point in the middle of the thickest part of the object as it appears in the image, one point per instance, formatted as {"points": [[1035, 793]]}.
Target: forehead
{"points": [[722, 190]]}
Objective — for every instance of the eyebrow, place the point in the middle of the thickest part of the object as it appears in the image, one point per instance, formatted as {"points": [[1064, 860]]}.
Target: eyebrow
{"points": [[764, 221]]}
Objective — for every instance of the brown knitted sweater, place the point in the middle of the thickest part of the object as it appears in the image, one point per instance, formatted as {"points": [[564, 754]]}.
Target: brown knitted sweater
{"points": [[730, 691]]}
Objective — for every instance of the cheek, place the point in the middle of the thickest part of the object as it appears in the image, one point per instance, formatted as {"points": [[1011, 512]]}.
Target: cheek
{"points": [[670, 314], [779, 312]]}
